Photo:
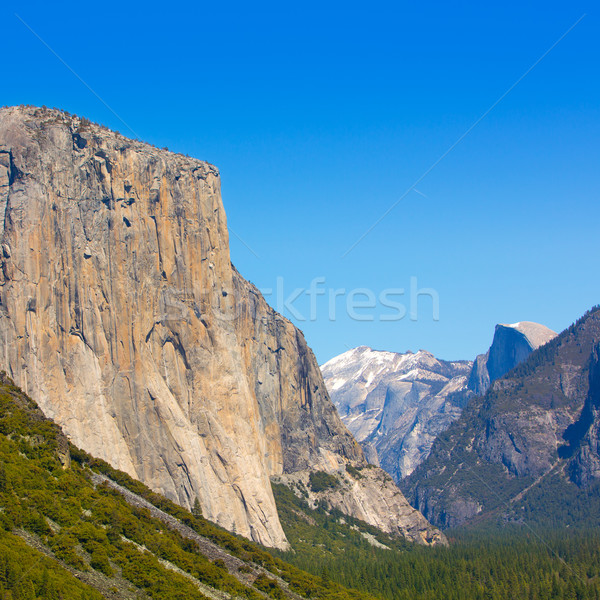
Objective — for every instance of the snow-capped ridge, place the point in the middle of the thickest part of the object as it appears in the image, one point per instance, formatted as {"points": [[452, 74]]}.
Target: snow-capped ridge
{"points": [[396, 404], [378, 392]]}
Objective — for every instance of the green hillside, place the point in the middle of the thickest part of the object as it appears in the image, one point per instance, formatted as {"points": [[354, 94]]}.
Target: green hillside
{"points": [[71, 527], [67, 530]]}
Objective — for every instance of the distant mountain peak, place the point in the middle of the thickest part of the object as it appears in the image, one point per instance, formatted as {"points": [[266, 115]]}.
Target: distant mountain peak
{"points": [[397, 403], [511, 345], [378, 392], [537, 334], [533, 437]]}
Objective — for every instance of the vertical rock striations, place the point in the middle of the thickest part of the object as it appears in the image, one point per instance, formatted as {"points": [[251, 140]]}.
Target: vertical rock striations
{"points": [[121, 314]]}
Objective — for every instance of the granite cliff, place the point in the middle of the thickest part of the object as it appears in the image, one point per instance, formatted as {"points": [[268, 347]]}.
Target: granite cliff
{"points": [[511, 345], [122, 316]]}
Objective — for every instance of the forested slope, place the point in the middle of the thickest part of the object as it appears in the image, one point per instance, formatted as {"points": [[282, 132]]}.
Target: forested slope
{"points": [[67, 530]]}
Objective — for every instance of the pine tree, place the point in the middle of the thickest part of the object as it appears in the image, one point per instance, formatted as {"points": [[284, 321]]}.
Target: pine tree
{"points": [[197, 509], [3, 479]]}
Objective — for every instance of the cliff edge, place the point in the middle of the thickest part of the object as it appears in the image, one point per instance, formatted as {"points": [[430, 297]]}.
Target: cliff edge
{"points": [[122, 316]]}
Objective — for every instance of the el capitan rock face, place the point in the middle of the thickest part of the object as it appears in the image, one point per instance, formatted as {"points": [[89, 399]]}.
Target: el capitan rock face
{"points": [[123, 317]]}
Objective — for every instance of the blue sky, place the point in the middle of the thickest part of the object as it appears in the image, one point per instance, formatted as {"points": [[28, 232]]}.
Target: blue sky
{"points": [[320, 116]]}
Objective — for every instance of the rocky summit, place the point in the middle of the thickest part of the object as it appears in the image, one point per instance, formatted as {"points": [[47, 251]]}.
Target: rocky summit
{"points": [[123, 317], [396, 403], [511, 345]]}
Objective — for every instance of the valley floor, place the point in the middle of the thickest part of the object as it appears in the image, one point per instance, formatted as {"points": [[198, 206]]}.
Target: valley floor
{"points": [[509, 563]]}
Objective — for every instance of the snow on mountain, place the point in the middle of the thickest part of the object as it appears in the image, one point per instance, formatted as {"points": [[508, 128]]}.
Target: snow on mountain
{"points": [[395, 404]]}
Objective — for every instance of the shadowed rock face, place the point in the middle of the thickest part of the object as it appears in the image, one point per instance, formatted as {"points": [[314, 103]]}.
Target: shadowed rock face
{"points": [[584, 436], [122, 315], [512, 344], [397, 404]]}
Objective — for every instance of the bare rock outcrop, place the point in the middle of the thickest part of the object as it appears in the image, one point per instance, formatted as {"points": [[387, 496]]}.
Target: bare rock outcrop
{"points": [[122, 316], [369, 494], [528, 443], [396, 404]]}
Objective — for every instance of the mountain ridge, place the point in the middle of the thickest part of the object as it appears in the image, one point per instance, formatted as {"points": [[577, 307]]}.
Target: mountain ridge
{"points": [[71, 526], [513, 442], [388, 398], [512, 343], [397, 422]]}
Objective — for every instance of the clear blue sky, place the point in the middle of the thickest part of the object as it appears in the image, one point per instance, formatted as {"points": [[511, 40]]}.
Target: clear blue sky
{"points": [[321, 115]]}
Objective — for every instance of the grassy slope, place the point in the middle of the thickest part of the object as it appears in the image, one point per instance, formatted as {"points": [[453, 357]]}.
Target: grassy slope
{"points": [[94, 544], [85, 539]]}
